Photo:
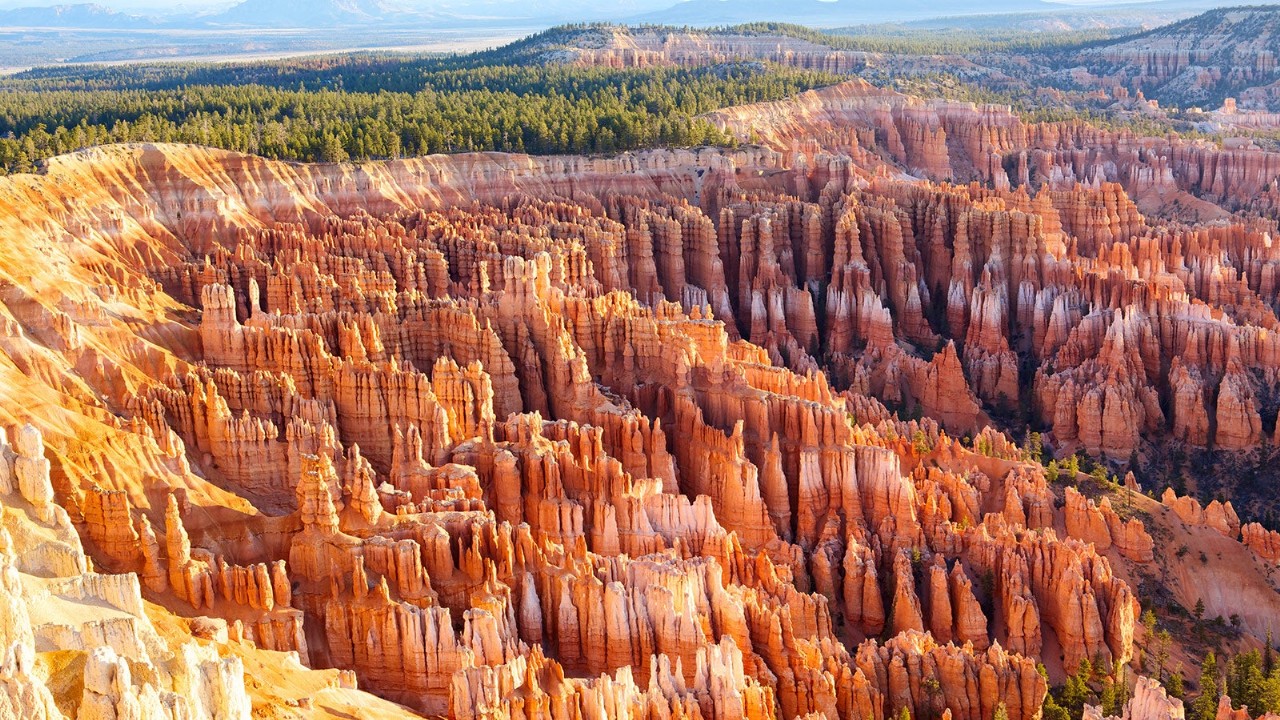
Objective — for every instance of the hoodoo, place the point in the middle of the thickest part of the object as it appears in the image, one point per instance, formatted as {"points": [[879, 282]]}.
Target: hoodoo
{"points": [[755, 431]]}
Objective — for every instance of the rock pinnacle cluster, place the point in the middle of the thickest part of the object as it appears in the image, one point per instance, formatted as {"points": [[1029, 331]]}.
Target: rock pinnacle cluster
{"points": [[708, 433]]}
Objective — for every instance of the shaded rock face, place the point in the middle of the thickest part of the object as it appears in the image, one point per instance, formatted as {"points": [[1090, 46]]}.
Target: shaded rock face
{"points": [[497, 435]]}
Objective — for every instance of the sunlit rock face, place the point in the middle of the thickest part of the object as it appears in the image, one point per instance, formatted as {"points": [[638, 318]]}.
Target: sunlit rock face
{"points": [[671, 434]]}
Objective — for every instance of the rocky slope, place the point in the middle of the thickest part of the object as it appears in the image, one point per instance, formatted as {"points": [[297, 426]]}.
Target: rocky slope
{"points": [[1200, 60], [619, 46], [1042, 270], [1222, 59], [492, 436]]}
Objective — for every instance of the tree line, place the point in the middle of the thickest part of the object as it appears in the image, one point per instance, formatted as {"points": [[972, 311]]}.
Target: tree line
{"points": [[378, 107]]}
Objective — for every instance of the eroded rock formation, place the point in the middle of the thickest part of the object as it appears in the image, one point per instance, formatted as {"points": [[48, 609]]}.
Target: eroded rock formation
{"points": [[673, 432]]}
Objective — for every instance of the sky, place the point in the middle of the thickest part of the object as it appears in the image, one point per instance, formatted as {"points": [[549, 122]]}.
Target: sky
{"points": [[122, 5], [171, 7], [631, 7]]}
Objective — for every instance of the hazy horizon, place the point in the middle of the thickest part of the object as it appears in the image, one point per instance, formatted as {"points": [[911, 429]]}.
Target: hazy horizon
{"points": [[160, 6], [199, 5], [139, 30]]}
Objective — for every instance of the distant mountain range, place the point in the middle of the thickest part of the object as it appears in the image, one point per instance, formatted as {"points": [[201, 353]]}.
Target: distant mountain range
{"points": [[311, 13], [829, 13], [330, 14], [250, 13], [339, 14], [74, 16]]}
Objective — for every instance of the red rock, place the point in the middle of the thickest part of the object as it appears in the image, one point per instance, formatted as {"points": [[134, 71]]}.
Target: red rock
{"points": [[971, 623], [1151, 702], [1264, 543], [906, 613], [1085, 521], [560, 437], [1239, 425], [1216, 515], [1129, 537], [1190, 418]]}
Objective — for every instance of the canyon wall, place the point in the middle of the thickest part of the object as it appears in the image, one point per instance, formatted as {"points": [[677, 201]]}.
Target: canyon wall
{"points": [[675, 433]]}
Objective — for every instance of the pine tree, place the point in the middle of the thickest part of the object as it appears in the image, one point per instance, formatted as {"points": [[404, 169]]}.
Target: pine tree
{"points": [[1051, 710], [331, 149], [1099, 476], [1205, 706], [1268, 695], [1122, 685], [1175, 685], [1072, 467], [1245, 679], [1075, 692], [1149, 622], [1051, 471], [1268, 656], [1163, 641], [1109, 698]]}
